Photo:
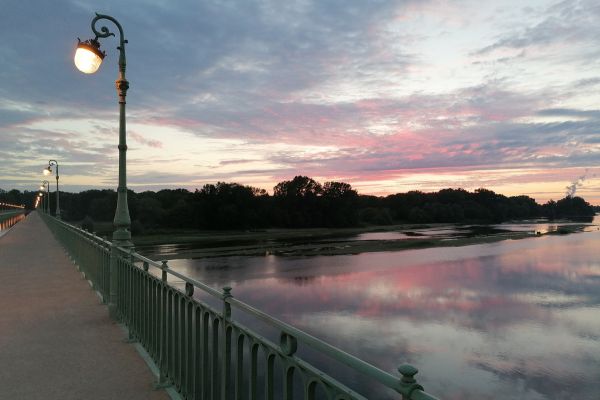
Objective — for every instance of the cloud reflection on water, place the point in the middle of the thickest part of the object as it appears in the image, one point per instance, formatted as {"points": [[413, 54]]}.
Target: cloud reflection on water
{"points": [[517, 319]]}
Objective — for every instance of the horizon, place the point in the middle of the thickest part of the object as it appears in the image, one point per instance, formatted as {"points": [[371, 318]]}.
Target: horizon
{"points": [[388, 96], [270, 191]]}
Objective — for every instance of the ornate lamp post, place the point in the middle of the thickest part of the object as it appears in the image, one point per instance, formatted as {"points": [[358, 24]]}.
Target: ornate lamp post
{"points": [[48, 171], [46, 186], [88, 58]]}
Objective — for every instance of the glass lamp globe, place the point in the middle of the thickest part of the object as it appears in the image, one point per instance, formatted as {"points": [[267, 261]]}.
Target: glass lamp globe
{"points": [[88, 56]]}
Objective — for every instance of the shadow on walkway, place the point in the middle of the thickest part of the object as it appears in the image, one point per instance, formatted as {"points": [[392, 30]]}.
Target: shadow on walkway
{"points": [[56, 339]]}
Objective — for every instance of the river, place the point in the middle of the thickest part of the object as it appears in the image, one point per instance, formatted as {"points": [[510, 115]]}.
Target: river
{"points": [[515, 319]]}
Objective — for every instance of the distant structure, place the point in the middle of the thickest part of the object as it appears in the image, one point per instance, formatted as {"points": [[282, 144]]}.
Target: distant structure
{"points": [[572, 188]]}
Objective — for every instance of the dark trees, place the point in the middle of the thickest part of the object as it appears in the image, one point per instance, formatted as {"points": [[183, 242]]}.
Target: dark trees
{"points": [[568, 207], [339, 204], [301, 202], [298, 201]]}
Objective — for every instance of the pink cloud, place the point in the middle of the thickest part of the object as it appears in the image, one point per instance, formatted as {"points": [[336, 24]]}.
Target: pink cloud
{"points": [[136, 137]]}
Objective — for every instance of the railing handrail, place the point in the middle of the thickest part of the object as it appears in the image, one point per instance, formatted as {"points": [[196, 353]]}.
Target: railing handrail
{"points": [[2, 212], [385, 378], [381, 376]]}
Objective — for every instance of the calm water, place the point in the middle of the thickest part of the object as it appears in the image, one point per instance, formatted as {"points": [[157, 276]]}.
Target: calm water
{"points": [[511, 320]]}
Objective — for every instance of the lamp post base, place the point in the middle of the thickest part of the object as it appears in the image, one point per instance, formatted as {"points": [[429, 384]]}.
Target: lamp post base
{"points": [[122, 238]]}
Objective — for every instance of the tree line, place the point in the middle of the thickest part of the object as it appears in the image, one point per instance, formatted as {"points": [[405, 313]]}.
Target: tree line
{"points": [[302, 202]]}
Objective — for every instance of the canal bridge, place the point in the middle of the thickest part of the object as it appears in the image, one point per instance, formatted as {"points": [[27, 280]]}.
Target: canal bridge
{"points": [[166, 335]]}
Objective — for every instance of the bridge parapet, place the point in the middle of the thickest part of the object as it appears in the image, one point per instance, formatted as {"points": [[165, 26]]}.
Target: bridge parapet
{"points": [[205, 352], [7, 214]]}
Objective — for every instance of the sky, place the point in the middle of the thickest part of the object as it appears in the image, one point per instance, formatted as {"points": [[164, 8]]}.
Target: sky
{"points": [[389, 96]]}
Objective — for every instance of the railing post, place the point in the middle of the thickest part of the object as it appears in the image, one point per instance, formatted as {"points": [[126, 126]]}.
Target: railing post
{"points": [[408, 382], [226, 306], [113, 279], [163, 380], [164, 268], [131, 298], [225, 345]]}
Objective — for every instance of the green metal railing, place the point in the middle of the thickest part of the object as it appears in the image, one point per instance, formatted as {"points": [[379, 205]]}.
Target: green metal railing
{"points": [[9, 219], [203, 351], [6, 214]]}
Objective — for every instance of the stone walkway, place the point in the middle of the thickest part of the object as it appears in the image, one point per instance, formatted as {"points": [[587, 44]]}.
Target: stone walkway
{"points": [[56, 339]]}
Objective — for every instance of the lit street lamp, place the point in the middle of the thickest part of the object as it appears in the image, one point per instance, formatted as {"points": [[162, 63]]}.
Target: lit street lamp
{"points": [[48, 171], [46, 185], [88, 58], [43, 189]]}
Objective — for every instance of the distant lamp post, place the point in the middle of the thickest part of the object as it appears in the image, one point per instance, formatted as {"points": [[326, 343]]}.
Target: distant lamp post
{"points": [[88, 58], [46, 185], [48, 171], [43, 189]]}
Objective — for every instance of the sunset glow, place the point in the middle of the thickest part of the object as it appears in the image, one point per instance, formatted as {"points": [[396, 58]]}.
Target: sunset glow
{"points": [[388, 96]]}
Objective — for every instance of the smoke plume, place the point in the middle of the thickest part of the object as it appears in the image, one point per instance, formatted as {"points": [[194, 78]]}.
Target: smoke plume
{"points": [[572, 188]]}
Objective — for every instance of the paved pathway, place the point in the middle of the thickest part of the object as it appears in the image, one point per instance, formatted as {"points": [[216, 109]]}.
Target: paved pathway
{"points": [[56, 339]]}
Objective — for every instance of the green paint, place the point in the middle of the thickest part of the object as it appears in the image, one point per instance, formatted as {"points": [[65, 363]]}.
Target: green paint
{"points": [[196, 346]]}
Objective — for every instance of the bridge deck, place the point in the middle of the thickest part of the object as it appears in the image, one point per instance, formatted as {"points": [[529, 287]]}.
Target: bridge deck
{"points": [[56, 339]]}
